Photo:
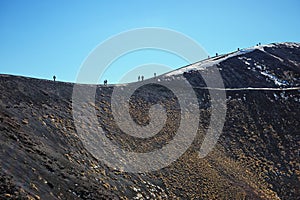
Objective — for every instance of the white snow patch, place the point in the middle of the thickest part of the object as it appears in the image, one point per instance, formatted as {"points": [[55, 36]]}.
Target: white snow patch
{"points": [[245, 60], [276, 80], [291, 44], [276, 97], [247, 63], [259, 67], [259, 47]]}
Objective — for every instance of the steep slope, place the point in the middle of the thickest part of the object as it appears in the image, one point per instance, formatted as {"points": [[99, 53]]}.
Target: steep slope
{"points": [[256, 157]]}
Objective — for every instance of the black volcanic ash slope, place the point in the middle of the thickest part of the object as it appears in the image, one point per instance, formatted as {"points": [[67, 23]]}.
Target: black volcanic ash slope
{"points": [[256, 157]]}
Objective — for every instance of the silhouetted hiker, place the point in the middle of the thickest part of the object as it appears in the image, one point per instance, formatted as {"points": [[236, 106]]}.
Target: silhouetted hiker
{"points": [[105, 82], [139, 78], [54, 77], [217, 54], [142, 78], [154, 75]]}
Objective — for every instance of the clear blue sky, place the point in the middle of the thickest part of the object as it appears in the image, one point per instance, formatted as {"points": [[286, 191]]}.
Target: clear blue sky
{"points": [[43, 38]]}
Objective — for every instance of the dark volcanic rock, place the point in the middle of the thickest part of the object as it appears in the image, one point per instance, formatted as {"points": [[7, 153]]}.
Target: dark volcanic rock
{"points": [[256, 157]]}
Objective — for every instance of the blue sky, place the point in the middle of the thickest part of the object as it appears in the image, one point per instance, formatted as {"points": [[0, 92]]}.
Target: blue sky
{"points": [[43, 38]]}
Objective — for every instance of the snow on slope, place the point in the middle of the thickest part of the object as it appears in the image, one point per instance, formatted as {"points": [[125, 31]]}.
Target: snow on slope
{"points": [[291, 44], [201, 65], [276, 80]]}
